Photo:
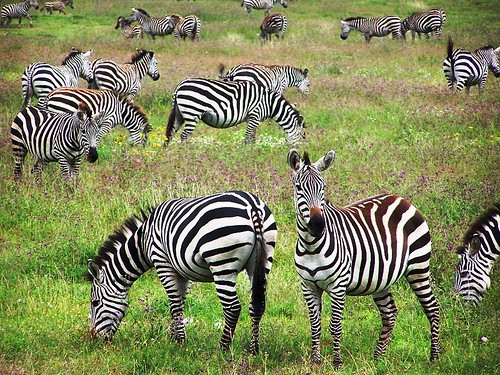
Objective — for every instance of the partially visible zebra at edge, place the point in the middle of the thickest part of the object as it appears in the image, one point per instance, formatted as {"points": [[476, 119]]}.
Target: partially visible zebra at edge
{"points": [[477, 255], [274, 24], [185, 27], [125, 79], [424, 22], [49, 137], [360, 249], [40, 78], [222, 104], [261, 4], [469, 69], [202, 239], [275, 77], [370, 27], [18, 10]]}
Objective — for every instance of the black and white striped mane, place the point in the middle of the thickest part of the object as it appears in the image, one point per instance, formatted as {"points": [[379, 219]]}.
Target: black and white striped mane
{"points": [[478, 225], [353, 19], [138, 55], [306, 159], [136, 107], [142, 11], [485, 48], [74, 52]]}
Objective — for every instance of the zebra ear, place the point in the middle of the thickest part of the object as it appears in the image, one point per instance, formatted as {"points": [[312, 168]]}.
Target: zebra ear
{"points": [[497, 51], [88, 53], [94, 270], [326, 161], [294, 159], [475, 245], [305, 71]]}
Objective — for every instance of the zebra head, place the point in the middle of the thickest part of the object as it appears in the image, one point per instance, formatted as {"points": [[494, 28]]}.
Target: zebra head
{"points": [[153, 67], [491, 57], [471, 279], [88, 130], [172, 22], [34, 3], [282, 2], [303, 84], [405, 26], [107, 305], [138, 15], [345, 29], [309, 190], [136, 122]]}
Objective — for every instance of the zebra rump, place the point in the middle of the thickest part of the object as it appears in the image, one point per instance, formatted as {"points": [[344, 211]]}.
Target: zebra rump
{"points": [[202, 239], [479, 250], [274, 24]]}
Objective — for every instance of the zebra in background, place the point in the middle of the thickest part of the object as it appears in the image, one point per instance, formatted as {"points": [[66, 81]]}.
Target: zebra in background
{"points": [[424, 22], [222, 104], [51, 6], [480, 249], [153, 26], [261, 4], [129, 32], [470, 69], [183, 28], [114, 108], [275, 77], [204, 239], [371, 27], [274, 24], [19, 11], [360, 249], [54, 137], [40, 78], [125, 79]]}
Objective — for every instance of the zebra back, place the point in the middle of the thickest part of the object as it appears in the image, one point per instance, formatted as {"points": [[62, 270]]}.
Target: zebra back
{"points": [[115, 110], [479, 250]]}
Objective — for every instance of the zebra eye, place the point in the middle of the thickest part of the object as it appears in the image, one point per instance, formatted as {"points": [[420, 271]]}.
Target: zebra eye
{"points": [[95, 303], [464, 274]]}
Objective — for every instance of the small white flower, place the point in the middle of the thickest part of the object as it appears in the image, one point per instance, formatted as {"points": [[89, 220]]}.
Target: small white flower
{"points": [[484, 339]]}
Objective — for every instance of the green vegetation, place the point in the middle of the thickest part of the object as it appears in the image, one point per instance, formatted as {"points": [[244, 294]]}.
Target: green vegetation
{"points": [[383, 107]]}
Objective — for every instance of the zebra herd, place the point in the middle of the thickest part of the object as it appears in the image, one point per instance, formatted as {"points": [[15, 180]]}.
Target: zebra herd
{"points": [[360, 249]]}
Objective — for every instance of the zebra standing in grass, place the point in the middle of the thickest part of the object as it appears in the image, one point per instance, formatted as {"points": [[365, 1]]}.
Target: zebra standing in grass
{"points": [[152, 26], [114, 108], [51, 6], [361, 249], [261, 4], [370, 27], [187, 27], [274, 24], [480, 249], [49, 137], [222, 104], [425, 22], [129, 32], [275, 77], [19, 11], [204, 239], [40, 78], [125, 79], [470, 69]]}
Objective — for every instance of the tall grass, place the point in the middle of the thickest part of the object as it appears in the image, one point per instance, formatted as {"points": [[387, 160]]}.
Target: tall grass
{"points": [[383, 107]]}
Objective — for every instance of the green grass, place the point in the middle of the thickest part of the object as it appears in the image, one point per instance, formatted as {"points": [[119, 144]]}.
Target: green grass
{"points": [[383, 107]]}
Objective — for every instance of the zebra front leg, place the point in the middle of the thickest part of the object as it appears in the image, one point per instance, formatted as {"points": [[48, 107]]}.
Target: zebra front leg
{"points": [[313, 302], [231, 308], [37, 169], [251, 131], [388, 313], [18, 164], [335, 328], [28, 17]]}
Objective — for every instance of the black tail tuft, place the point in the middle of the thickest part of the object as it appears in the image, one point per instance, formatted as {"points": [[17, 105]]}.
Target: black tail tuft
{"points": [[450, 47], [258, 299]]}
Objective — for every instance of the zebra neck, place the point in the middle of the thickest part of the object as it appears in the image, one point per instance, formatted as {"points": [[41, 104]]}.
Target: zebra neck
{"points": [[141, 67], [485, 260]]}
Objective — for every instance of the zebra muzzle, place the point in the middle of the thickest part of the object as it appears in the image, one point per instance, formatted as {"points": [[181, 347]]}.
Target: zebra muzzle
{"points": [[316, 224], [343, 36], [92, 156]]}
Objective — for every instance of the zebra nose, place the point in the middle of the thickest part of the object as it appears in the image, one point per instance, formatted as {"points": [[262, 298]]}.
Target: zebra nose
{"points": [[92, 155], [316, 224], [343, 37]]}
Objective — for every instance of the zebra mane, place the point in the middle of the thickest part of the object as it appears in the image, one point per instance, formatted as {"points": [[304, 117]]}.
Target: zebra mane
{"points": [[138, 55], [73, 53], [142, 11], [306, 159], [485, 48], [353, 19], [135, 107], [119, 237], [477, 225]]}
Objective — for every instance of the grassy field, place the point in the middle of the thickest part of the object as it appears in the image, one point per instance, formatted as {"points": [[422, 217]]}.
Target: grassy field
{"points": [[383, 107]]}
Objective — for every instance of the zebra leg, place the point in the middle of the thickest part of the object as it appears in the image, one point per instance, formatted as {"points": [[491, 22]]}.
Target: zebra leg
{"points": [[388, 313], [231, 308], [335, 327], [313, 302], [420, 285], [190, 125], [250, 133], [18, 163], [367, 38], [28, 17], [37, 169]]}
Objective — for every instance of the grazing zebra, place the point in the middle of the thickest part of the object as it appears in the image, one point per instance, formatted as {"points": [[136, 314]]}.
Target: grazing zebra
{"points": [[222, 104], [274, 24], [51, 6], [152, 26], [203, 239], [49, 137], [114, 108], [261, 4], [18, 10], [425, 22], [183, 28], [360, 249], [40, 78], [128, 31], [470, 69], [125, 79], [275, 77], [370, 27], [480, 249]]}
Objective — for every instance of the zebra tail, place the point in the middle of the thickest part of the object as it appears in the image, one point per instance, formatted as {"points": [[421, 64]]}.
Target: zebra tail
{"points": [[221, 71], [29, 90], [195, 30], [258, 298], [174, 117], [450, 47]]}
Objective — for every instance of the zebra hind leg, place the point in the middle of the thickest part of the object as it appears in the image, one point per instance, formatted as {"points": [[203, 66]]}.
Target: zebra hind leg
{"points": [[388, 313], [18, 163], [231, 308]]}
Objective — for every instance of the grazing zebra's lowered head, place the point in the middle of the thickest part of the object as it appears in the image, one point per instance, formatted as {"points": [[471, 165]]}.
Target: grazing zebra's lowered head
{"points": [[480, 249], [128, 31]]}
